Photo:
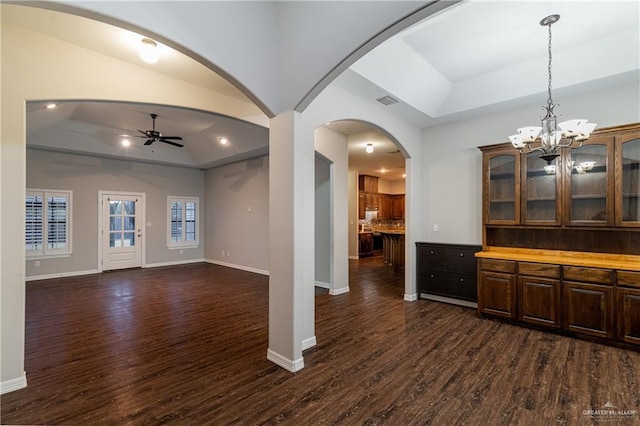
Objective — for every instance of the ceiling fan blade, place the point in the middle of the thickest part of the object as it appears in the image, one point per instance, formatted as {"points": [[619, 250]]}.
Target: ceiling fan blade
{"points": [[176, 138], [149, 142], [171, 143], [143, 132]]}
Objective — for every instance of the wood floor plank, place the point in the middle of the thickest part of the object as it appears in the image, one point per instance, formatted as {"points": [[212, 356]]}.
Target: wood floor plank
{"points": [[187, 345]]}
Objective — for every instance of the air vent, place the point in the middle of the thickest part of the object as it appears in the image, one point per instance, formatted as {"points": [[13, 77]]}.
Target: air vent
{"points": [[387, 100]]}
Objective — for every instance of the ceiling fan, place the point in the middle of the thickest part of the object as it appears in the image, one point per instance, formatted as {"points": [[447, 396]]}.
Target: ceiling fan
{"points": [[154, 135]]}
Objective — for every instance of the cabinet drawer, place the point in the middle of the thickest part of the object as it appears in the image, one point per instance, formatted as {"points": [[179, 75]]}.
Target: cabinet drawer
{"points": [[461, 260], [539, 269], [628, 278], [432, 281], [462, 286], [592, 275], [430, 256], [508, 266]]}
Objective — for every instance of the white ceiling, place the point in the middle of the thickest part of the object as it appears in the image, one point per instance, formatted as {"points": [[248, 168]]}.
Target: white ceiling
{"points": [[472, 57]]}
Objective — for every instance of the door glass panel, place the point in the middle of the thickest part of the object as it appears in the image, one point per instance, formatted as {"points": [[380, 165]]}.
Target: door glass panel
{"points": [[129, 207], [129, 239], [541, 189], [631, 181], [589, 183], [502, 185], [115, 223], [115, 207], [129, 223], [115, 239]]}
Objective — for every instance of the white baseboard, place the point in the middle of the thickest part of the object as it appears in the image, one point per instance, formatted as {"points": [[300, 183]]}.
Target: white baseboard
{"points": [[449, 300], [61, 275], [411, 297], [241, 267], [284, 362], [172, 263], [309, 343], [322, 285], [337, 291], [13, 384]]}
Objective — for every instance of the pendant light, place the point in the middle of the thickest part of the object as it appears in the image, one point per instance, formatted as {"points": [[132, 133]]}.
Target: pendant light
{"points": [[551, 137]]}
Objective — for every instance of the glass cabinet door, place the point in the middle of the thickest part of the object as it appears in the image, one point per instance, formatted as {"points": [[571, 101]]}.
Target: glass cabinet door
{"points": [[502, 203], [541, 191], [590, 183], [628, 180]]}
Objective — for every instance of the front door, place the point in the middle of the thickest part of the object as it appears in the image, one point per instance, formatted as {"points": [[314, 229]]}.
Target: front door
{"points": [[121, 230]]}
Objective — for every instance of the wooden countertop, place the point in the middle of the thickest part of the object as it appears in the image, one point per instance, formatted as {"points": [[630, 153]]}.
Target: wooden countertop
{"points": [[574, 258], [391, 231]]}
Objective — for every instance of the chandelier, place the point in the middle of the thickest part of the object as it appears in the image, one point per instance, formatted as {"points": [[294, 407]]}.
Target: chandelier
{"points": [[551, 137]]}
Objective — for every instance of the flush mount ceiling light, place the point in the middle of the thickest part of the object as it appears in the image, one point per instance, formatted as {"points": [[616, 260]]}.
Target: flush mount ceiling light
{"points": [[125, 142], [223, 141], [51, 106], [369, 148], [149, 51], [551, 137]]}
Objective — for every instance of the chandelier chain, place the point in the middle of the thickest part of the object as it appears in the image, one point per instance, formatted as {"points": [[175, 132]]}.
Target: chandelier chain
{"points": [[549, 100]]}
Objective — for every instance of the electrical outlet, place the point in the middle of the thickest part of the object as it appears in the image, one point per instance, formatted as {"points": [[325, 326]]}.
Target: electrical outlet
{"points": [[37, 263], [181, 251], [223, 252], [435, 227], [228, 254]]}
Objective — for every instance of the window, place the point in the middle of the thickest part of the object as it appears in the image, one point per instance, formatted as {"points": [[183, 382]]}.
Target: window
{"points": [[183, 222], [47, 223]]}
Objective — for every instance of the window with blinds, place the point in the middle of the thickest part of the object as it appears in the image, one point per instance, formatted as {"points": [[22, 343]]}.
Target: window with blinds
{"points": [[183, 227], [47, 223]]}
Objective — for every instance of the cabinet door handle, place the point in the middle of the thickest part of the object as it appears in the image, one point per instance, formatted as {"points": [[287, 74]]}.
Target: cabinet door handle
{"points": [[461, 254], [431, 252], [431, 275], [461, 280]]}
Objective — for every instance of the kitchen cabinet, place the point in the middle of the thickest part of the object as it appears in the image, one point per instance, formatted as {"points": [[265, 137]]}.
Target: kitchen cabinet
{"points": [[447, 270], [627, 201], [397, 206], [588, 194], [560, 292], [368, 183], [497, 288], [628, 306], [589, 182], [588, 303], [365, 240], [538, 289]]}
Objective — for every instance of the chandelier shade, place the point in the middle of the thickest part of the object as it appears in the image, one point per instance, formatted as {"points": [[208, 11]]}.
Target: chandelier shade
{"points": [[550, 137]]}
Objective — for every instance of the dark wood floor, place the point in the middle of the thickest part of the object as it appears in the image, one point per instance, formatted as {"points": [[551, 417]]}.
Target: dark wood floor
{"points": [[187, 345]]}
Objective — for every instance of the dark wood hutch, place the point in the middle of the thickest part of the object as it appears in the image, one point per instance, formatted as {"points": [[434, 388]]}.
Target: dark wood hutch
{"points": [[561, 241]]}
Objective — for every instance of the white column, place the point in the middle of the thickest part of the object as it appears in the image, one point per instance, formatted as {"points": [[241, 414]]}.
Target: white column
{"points": [[291, 241]]}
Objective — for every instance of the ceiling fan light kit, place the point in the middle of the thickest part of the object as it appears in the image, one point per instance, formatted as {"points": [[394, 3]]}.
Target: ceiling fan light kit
{"points": [[549, 137], [369, 148]]}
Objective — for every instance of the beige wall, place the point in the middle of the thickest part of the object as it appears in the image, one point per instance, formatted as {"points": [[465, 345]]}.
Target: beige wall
{"points": [[85, 176], [237, 215]]}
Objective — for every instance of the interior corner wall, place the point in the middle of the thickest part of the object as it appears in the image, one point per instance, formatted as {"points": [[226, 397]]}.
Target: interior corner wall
{"points": [[85, 176], [323, 222], [352, 191], [237, 215], [333, 146], [451, 190]]}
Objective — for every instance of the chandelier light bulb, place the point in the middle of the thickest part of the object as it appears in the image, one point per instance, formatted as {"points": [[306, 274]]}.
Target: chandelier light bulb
{"points": [[369, 148]]}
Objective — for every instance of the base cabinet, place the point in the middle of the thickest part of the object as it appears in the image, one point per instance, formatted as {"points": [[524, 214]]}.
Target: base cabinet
{"points": [[447, 270], [582, 301], [497, 295], [588, 309], [539, 301]]}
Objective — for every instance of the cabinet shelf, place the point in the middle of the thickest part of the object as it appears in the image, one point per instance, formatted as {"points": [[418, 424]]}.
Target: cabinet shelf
{"points": [[551, 198], [589, 197], [503, 200]]}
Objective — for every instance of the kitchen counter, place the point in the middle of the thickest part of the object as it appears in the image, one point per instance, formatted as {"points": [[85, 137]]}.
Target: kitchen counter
{"points": [[391, 231], [571, 258]]}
